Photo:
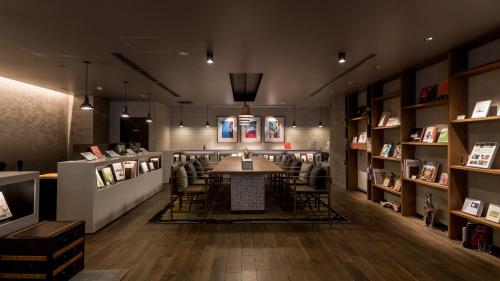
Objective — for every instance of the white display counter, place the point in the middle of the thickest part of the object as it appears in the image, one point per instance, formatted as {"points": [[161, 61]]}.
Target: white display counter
{"points": [[21, 192], [78, 197]]}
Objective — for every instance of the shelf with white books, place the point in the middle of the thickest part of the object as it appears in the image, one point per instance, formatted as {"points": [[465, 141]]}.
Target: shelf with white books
{"points": [[476, 170], [481, 220], [79, 198], [475, 120], [428, 183]]}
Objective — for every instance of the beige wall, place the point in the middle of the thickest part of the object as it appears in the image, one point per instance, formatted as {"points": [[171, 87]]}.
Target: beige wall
{"points": [[337, 141], [194, 134], [33, 126]]}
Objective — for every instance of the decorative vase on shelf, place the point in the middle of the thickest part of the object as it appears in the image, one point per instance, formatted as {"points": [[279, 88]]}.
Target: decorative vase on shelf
{"points": [[429, 210], [246, 153]]}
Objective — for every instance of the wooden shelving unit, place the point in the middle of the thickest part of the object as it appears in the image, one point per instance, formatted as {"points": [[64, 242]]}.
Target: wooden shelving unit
{"points": [[386, 189], [387, 127], [353, 150], [443, 144], [427, 104], [458, 148], [394, 95], [387, 158]]}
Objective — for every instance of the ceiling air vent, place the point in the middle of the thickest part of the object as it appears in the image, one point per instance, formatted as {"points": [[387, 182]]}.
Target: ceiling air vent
{"points": [[143, 72], [245, 85]]}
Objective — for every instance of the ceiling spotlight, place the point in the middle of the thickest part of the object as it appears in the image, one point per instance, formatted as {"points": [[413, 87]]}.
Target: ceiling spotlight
{"points": [[210, 57], [183, 53], [428, 39], [99, 88], [320, 124], [349, 82], [342, 57], [378, 66]]}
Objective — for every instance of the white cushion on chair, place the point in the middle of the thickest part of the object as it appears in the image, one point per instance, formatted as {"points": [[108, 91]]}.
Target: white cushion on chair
{"points": [[305, 170]]}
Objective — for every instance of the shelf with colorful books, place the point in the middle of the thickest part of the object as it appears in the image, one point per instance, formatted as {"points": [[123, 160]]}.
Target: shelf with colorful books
{"points": [[428, 183]]}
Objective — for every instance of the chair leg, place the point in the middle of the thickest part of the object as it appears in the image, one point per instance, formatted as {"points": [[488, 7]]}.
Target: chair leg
{"points": [[171, 205], [191, 201]]}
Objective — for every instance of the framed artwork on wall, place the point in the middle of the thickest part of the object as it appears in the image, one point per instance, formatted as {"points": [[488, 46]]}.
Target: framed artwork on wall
{"points": [[274, 129], [251, 132], [227, 129]]}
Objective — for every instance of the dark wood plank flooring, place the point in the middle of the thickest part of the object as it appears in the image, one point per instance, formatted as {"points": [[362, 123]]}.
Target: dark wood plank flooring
{"points": [[377, 245]]}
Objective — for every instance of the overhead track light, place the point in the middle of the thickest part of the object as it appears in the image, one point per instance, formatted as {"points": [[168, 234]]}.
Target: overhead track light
{"points": [[86, 102], [125, 113], [181, 124], [210, 57], [149, 119], [342, 57]]}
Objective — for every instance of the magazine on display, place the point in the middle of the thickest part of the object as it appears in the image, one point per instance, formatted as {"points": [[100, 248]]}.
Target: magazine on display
{"points": [[481, 109], [130, 168], [443, 179], [427, 94], [362, 137], [118, 170], [89, 156], [156, 162], [393, 121], [397, 151], [384, 118], [107, 176], [5, 212], [442, 90], [493, 213], [143, 150], [96, 151], [386, 150], [411, 168], [443, 136], [429, 135], [100, 183], [473, 207], [397, 185], [131, 152], [112, 154], [416, 134], [144, 167], [379, 176], [429, 171], [483, 155], [151, 166]]}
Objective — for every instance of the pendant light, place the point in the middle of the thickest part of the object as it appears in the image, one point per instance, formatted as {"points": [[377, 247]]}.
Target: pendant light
{"points": [[320, 124], [245, 116], [149, 120], [207, 125], [293, 123], [181, 124], [86, 103], [125, 113]]}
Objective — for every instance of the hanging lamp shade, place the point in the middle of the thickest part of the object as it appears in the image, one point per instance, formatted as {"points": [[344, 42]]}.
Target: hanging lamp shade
{"points": [[245, 116], [149, 119], [125, 113], [86, 105]]}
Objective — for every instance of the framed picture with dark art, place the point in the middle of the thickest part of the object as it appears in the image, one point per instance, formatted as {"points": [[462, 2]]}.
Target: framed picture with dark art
{"points": [[274, 129], [251, 132], [227, 129]]}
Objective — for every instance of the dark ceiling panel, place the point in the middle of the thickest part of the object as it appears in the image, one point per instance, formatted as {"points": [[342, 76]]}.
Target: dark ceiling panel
{"points": [[245, 85]]}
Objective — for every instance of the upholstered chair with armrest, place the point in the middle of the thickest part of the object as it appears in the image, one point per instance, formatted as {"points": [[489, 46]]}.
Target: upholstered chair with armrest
{"points": [[312, 189]]}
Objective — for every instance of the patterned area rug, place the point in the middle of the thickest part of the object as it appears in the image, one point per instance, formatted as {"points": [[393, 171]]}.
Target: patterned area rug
{"points": [[100, 275], [277, 210]]}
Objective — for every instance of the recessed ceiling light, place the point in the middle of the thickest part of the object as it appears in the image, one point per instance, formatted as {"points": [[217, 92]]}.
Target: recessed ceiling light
{"points": [[282, 102], [342, 57], [378, 66], [349, 82], [183, 53], [100, 88], [210, 57], [428, 39]]}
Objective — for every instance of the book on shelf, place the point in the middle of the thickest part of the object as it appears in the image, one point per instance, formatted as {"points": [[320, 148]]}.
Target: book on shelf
{"points": [[355, 140], [143, 150], [416, 134], [393, 121], [388, 180], [89, 156], [144, 167], [429, 135], [5, 212], [429, 171], [99, 181], [384, 117], [151, 166], [96, 151], [303, 157], [443, 179], [482, 155], [362, 137], [493, 213], [397, 151], [156, 162], [473, 233], [107, 176], [473, 207], [443, 136], [411, 167], [442, 93], [397, 185], [481, 109], [310, 157], [112, 153], [271, 157], [131, 152], [118, 171], [379, 176], [427, 94], [386, 150], [130, 168]]}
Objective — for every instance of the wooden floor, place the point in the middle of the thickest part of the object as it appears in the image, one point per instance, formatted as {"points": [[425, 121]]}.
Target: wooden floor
{"points": [[377, 245]]}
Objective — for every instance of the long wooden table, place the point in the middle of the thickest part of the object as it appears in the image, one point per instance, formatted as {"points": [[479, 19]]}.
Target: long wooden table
{"points": [[247, 186]]}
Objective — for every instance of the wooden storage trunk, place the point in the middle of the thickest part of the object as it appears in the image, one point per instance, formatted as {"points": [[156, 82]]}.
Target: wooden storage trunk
{"points": [[48, 250]]}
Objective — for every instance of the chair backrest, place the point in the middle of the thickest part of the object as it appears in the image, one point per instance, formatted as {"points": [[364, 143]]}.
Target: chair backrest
{"points": [[3, 166]]}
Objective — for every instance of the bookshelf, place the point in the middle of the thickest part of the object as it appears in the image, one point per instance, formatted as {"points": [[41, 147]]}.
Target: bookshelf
{"points": [[462, 137], [358, 154]]}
